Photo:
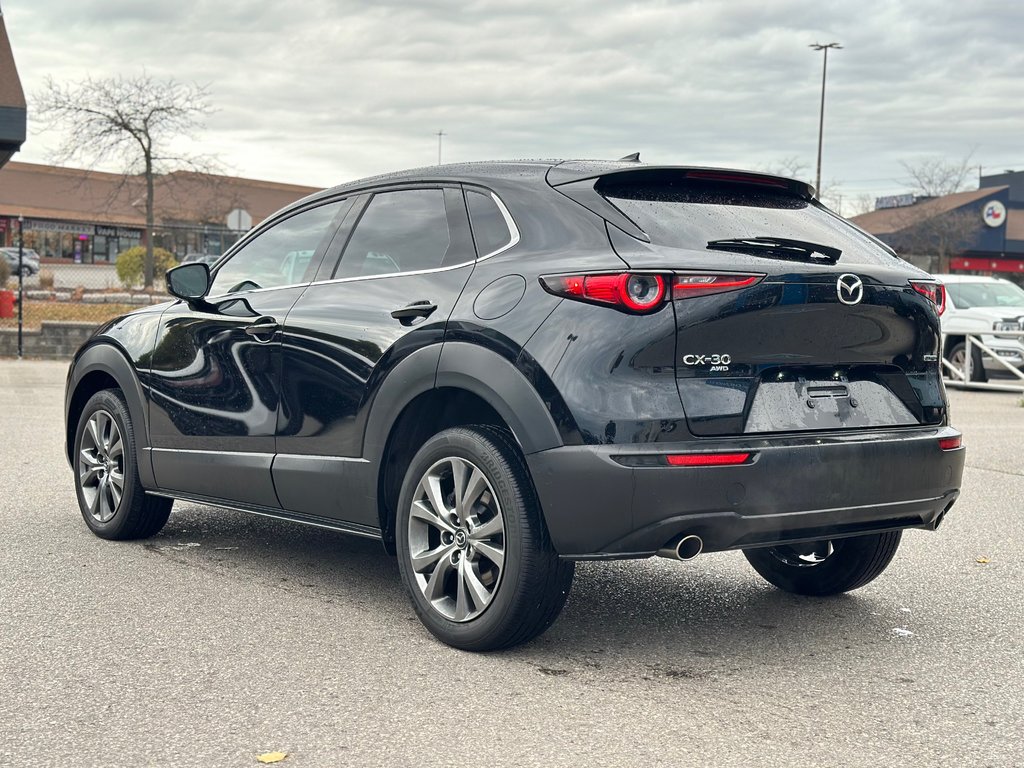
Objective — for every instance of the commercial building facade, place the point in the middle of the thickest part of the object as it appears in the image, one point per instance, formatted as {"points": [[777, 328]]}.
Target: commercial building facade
{"points": [[77, 216], [979, 231], [12, 100]]}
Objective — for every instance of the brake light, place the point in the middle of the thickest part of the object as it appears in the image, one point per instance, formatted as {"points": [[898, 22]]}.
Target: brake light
{"points": [[688, 286], [738, 178], [626, 290], [934, 292], [706, 459], [950, 443]]}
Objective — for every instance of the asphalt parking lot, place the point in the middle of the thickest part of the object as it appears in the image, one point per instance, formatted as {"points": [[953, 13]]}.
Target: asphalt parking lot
{"points": [[228, 636]]}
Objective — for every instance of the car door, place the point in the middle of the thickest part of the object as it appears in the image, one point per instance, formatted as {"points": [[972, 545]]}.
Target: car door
{"points": [[216, 368], [407, 255]]}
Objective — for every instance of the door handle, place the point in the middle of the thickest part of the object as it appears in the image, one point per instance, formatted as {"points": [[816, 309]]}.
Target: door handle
{"points": [[414, 310], [262, 327]]}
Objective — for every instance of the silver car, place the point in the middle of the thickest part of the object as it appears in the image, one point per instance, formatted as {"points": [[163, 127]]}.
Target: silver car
{"points": [[29, 261]]}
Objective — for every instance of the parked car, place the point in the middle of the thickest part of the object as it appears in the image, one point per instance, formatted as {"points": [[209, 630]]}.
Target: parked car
{"points": [[499, 369], [29, 261], [980, 305]]}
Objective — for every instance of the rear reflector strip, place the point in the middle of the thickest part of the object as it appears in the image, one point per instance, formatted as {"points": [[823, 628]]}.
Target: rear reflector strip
{"points": [[950, 443], [706, 459]]}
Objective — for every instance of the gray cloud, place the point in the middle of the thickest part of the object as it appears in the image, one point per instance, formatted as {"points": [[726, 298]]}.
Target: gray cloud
{"points": [[322, 92]]}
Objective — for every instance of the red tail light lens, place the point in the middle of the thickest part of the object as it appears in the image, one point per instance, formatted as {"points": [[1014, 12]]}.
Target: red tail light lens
{"points": [[950, 443], [706, 459], [627, 291], [934, 292], [688, 286]]}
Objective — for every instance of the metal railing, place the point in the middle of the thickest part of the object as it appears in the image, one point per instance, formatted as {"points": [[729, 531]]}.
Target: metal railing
{"points": [[961, 377]]}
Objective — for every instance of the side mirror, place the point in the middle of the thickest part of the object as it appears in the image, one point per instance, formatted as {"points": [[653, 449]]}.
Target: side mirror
{"points": [[190, 282]]}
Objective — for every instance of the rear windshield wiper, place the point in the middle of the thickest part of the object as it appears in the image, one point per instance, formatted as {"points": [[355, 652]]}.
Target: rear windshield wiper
{"points": [[778, 248]]}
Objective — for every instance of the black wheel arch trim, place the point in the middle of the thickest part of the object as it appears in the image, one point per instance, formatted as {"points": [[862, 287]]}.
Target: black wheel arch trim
{"points": [[110, 359]]}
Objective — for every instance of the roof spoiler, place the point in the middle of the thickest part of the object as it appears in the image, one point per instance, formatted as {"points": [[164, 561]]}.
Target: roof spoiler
{"points": [[570, 172]]}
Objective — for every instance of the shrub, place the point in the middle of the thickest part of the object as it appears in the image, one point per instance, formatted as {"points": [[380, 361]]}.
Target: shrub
{"points": [[46, 279], [5, 272], [131, 263]]}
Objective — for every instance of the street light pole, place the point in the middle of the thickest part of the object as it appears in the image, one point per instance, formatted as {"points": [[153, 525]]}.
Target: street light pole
{"points": [[439, 135], [821, 114], [21, 283]]}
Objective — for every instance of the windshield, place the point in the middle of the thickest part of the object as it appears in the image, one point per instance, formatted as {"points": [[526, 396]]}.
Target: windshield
{"points": [[967, 295]]}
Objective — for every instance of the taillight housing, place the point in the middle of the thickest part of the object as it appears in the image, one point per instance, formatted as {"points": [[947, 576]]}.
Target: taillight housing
{"points": [[932, 290], [686, 286], [642, 293], [628, 291]]}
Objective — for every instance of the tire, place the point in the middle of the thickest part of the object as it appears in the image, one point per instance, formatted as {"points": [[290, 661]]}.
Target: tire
{"points": [[105, 455], [958, 356], [847, 564], [26, 271], [493, 577]]}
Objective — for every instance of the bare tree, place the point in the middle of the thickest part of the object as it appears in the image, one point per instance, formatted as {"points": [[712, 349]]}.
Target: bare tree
{"points": [[936, 176], [792, 167], [132, 121], [933, 234]]}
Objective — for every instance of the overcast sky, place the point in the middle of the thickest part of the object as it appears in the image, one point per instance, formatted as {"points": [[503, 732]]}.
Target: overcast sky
{"points": [[322, 92]]}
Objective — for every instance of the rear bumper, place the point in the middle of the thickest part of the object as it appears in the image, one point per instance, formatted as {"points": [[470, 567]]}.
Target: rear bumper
{"points": [[795, 489]]}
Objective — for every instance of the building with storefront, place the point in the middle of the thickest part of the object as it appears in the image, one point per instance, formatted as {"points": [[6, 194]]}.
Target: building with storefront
{"points": [[76, 216], [12, 100], [979, 231]]}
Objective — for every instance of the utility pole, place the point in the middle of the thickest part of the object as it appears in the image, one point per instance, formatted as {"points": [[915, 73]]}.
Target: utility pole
{"points": [[440, 134], [21, 283], [821, 115]]}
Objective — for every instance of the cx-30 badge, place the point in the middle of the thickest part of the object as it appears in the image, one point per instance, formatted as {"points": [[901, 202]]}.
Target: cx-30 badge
{"points": [[850, 289]]}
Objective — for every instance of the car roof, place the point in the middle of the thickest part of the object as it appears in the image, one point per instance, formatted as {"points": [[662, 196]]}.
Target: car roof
{"points": [[557, 172]]}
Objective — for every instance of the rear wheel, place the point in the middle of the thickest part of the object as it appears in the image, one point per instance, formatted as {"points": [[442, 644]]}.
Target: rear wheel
{"points": [[827, 567], [110, 493], [473, 549], [958, 357]]}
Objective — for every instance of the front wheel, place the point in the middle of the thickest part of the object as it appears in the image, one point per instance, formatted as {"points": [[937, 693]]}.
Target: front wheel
{"points": [[110, 494], [473, 549], [821, 568]]}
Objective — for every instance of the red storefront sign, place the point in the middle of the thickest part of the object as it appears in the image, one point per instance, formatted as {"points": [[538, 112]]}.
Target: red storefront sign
{"points": [[986, 265]]}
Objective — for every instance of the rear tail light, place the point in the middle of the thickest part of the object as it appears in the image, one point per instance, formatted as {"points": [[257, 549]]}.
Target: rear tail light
{"points": [[950, 443], [934, 292], [688, 286], [627, 291], [642, 293], [738, 178]]}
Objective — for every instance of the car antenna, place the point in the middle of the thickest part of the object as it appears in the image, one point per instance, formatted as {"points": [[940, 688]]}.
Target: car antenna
{"points": [[634, 158]]}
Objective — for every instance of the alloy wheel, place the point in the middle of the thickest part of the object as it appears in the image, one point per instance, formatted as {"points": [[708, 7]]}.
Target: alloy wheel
{"points": [[456, 539], [101, 466]]}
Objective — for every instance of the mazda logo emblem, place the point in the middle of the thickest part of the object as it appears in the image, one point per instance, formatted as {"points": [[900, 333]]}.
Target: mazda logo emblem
{"points": [[850, 289]]}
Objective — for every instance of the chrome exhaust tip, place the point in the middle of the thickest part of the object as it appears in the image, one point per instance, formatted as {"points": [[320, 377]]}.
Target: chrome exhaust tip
{"points": [[687, 548]]}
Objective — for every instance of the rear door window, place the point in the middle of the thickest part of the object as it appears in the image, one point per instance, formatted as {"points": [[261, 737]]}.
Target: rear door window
{"points": [[402, 231]]}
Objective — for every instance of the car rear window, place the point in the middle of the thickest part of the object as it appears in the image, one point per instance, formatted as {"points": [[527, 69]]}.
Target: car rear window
{"points": [[690, 214]]}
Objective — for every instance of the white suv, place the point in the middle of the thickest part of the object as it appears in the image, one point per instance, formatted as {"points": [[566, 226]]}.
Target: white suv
{"points": [[982, 306]]}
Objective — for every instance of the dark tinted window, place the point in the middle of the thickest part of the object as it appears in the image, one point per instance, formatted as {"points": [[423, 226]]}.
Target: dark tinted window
{"points": [[489, 228], [400, 231], [280, 256], [689, 214]]}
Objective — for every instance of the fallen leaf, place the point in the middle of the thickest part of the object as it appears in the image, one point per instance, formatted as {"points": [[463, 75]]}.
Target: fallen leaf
{"points": [[982, 560], [901, 632], [272, 757]]}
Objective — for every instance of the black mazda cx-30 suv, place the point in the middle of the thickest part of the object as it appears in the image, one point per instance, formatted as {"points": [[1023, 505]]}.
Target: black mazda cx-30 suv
{"points": [[498, 369]]}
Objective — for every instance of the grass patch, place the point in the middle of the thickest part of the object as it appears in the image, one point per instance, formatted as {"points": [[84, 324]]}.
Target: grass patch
{"points": [[68, 311]]}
